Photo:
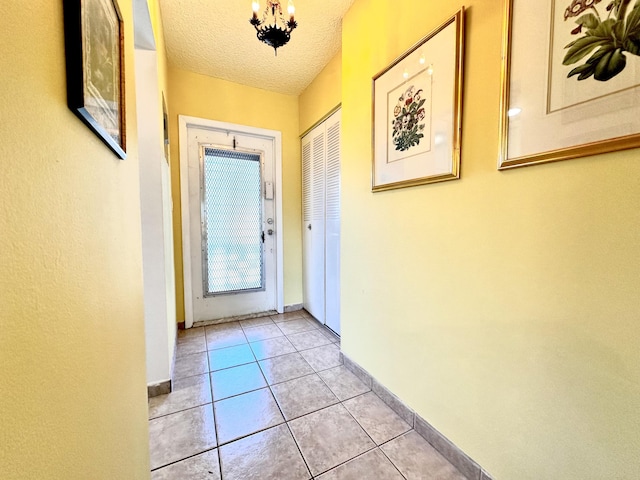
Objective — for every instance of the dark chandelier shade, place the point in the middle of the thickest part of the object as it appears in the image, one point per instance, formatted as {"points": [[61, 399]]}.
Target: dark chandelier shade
{"points": [[272, 28]]}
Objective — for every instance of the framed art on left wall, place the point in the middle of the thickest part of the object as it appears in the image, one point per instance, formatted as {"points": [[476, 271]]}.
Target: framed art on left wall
{"points": [[94, 45]]}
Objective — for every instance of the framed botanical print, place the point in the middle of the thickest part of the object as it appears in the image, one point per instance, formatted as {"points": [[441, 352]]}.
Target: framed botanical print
{"points": [[570, 79], [95, 68], [417, 111]]}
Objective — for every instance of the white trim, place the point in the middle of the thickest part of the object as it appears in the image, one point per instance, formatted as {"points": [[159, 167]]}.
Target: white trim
{"points": [[185, 122], [277, 144], [186, 223]]}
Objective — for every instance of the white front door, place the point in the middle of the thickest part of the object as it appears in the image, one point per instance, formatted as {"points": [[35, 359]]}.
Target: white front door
{"points": [[232, 224]]}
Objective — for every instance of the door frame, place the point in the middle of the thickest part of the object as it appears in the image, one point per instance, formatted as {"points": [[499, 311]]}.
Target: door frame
{"points": [[186, 122]]}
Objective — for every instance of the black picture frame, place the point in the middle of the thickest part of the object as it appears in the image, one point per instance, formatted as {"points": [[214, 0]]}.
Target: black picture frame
{"points": [[94, 46]]}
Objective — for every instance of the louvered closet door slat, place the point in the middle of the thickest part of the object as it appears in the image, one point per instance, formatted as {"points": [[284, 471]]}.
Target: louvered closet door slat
{"points": [[333, 172], [306, 182], [318, 177]]}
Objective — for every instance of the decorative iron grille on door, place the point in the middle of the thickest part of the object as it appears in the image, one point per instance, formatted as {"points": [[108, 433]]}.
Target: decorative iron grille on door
{"points": [[232, 244]]}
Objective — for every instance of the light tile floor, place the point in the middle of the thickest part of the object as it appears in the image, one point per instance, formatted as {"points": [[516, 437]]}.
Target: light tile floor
{"points": [[268, 399]]}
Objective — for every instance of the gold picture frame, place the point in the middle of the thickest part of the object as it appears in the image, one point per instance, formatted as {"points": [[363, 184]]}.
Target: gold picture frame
{"points": [[560, 103], [417, 111], [94, 44]]}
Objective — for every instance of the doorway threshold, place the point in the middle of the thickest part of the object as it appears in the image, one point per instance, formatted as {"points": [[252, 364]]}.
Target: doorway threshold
{"points": [[206, 323]]}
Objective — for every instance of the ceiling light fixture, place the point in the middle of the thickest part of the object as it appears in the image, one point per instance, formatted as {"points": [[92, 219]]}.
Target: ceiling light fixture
{"points": [[272, 28]]}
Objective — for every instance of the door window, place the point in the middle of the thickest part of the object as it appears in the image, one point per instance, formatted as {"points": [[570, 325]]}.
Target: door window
{"points": [[232, 244]]}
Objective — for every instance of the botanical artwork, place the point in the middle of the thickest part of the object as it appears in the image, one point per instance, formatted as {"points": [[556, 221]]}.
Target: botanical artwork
{"points": [[604, 39], [101, 58], [409, 110], [408, 116], [595, 50]]}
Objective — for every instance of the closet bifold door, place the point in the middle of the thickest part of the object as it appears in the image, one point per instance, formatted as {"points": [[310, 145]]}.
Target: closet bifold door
{"points": [[321, 221], [313, 186], [332, 224]]}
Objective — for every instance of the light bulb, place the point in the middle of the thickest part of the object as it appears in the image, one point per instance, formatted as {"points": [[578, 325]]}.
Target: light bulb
{"points": [[256, 6], [291, 9], [422, 60]]}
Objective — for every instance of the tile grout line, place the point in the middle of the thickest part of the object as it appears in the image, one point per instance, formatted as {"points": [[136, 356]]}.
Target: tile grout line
{"points": [[215, 425], [271, 338], [367, 433], [269, 386], [345, 462], [236, 439], [357, 422], [329, 387], [242, 393], [340, 402], [387, 456], [278, 403], [224, 444], [213, 410], [376, 446], [312, 411], [208, 373], [267, 358], [286, 422], [232, 366], [181, 410], [285, 381], [469, 463], [253, 433], [182, 459]]}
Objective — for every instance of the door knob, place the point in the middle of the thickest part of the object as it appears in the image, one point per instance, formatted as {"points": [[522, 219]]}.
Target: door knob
{"points": [[309, 226], [270, 231]]}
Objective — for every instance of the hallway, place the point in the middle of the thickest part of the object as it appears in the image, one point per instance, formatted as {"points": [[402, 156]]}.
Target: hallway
{"points": [[269, 398]]}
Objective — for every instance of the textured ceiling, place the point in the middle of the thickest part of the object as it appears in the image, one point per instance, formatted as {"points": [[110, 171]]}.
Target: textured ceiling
{"points": [[215, 38]]}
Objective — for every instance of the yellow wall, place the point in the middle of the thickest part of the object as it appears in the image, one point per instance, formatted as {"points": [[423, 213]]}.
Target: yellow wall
{"points": [[161, 49], [73, 402], [503, 307], [322, 95], [214, 99]]}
